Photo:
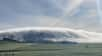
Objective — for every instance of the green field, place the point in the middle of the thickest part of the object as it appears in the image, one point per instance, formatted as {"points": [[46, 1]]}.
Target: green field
{"points": [[27, 49]]}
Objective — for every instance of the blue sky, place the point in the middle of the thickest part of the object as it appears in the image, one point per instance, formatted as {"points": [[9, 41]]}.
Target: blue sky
{"points": [[51, 13]]}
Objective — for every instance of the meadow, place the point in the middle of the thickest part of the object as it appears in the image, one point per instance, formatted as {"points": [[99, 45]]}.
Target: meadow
{"points": [[27, 49]]}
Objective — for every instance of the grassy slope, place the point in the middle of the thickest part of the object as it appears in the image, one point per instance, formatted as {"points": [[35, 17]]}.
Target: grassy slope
{"points": [[22, 49]]}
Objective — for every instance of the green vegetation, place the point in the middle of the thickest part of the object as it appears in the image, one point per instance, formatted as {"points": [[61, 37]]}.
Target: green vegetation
{"points": [[26, 49]]}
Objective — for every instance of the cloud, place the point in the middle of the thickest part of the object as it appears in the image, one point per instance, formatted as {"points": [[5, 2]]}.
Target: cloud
{"points": [[5, 26], [71, 6], [62, 13], [99, 10], [46, 21]]}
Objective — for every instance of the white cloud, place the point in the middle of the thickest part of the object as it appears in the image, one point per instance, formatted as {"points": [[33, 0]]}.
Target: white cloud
{"points": [[43, 12], [72, 5], [5, 26], [40, 21]]}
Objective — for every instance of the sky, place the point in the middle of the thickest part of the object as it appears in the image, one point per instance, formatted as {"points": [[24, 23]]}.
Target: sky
{"points": [[80, 14]]}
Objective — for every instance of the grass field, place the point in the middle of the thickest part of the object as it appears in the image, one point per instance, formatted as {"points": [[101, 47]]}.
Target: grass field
{"points": [[27, 49]]}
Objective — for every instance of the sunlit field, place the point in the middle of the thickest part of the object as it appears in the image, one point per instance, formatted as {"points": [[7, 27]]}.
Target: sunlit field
{"points": [[27, 49]]}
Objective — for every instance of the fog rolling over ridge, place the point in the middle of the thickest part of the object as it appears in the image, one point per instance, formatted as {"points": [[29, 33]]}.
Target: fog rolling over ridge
{"points": [[49, 34]]}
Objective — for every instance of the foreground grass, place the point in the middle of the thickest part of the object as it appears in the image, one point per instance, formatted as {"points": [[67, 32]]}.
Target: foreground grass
{"points": [[27, 49]]}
